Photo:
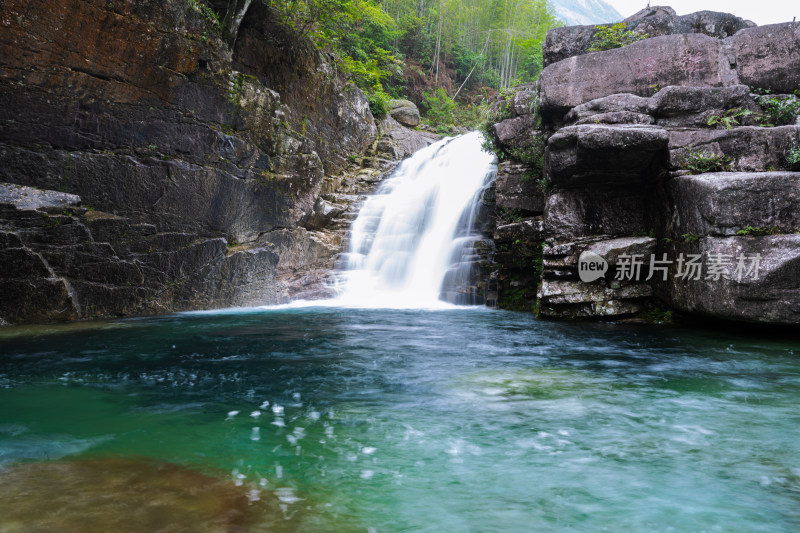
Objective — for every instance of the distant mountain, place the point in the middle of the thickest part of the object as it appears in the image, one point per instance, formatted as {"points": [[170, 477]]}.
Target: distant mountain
{"points": [[585, 12]]}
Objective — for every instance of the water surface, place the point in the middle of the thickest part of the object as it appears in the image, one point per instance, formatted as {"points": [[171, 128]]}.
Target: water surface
{"points": [[330, 419]]}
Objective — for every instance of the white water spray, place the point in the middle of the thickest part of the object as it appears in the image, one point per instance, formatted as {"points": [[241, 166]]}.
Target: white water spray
{"points": [[413, 230]]}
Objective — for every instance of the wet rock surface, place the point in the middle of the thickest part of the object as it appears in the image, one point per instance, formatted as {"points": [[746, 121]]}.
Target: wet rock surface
{"points": [[166, 171], [652, 200]]}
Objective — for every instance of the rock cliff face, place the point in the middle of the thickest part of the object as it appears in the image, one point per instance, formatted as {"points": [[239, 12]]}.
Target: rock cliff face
{"points": [[183, 173], [685, 215]]}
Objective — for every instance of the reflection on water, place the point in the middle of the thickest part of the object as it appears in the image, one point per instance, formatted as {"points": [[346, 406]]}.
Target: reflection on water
{"points": [[323, 419]]}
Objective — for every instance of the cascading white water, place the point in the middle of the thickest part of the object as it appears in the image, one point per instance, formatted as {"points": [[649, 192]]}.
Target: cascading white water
{"points": [[408, 235]]}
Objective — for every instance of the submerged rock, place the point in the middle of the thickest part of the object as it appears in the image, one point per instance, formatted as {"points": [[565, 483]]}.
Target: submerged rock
{"points": [[123, 495]]}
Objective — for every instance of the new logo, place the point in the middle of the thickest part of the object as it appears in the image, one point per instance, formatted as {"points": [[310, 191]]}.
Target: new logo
{"points": [[591, 267]]}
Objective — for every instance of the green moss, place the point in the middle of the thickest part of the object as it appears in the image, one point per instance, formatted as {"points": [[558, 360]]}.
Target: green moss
{"points": [[702, 161], [657, 316], [729, 118], [793, 157], [751, 231], [614, 36], [209, 15], [779, 111]]}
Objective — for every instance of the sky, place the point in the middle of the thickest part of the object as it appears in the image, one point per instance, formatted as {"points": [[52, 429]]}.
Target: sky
{"points": [[759, 11]]}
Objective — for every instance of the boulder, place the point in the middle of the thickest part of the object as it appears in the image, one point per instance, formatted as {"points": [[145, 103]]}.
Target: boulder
{"points": [[559, 292], [768, 57], [614, 109], [639, 68], [531, 229], [605, 154], [568, 41], [611, 249], [524, 101], [769, 296], [517, 132], [518, 189], [749, 148], [724, 203], [579, 212], [678, 100], [398, 142], [567, 299], [658, 20], [405, 112]]}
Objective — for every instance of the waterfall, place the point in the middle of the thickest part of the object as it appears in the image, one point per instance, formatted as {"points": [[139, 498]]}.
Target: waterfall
{"points": [[412, 243]]}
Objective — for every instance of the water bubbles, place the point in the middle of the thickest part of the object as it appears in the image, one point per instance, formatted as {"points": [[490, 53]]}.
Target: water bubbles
{"points": [[286, 495], [264, 404], [314, 415], [278, 471], [368, 450], [238, 477], [367, 474], [296, 396], [232, 414], [255, 433], [255, 414], [277, 410]]}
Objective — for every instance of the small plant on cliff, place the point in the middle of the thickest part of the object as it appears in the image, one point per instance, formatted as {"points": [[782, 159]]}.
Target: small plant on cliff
{"points": [[793, 157], [702, 161], [614, 36], [751, 231], [657, 316], [779, 110], [210, 16], [729, 118]]}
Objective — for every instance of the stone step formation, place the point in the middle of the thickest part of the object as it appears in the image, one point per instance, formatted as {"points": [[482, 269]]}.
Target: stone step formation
{"points": [[640, 169]]}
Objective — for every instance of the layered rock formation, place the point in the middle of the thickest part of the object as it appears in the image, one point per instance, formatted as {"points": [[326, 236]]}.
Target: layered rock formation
{"points": [[687, 216], [193, 167]]}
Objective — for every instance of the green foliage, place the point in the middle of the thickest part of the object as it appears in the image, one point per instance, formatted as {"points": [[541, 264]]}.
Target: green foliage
{"points": [[729, 118], [657, 316], [690, 237], [378, 102], [236, 86], [406, 47], [779, 111], [438, 107], [470, 116], [211, 17], [793, 157], [509, 215], [614, 36], [702, 161], [751, 231]]}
